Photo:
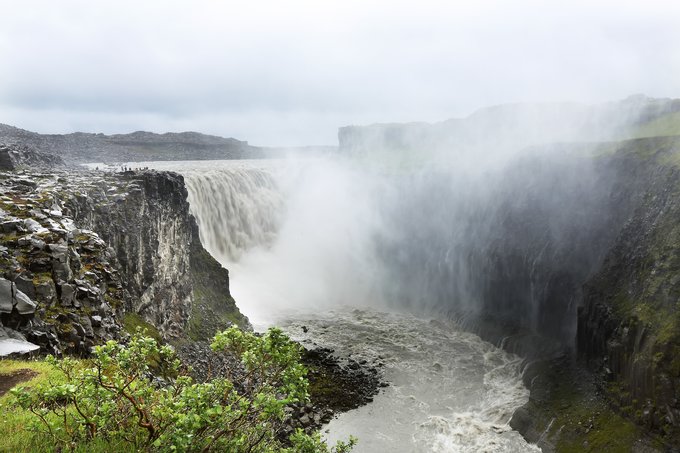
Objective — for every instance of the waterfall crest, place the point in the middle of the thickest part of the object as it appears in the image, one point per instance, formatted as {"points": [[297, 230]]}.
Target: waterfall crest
{"points": [[237, 208]]}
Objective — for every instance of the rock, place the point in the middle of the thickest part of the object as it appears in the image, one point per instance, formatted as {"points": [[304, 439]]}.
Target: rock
{"points": [[6, 299], [60, 262], [9, 226], [96, 320], [59, 252], [36, 214], [11, 347], [305, 421], [24, 304], [37, 243], [6, 332], [87, 326], [34, 227], [67, 294], [46, 291], [25, 285]]}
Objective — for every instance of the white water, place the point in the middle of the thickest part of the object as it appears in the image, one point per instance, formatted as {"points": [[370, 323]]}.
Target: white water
{"points": [[298, 239], [449, 390]]}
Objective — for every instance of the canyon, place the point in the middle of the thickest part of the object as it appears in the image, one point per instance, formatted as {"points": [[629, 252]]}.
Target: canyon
{"points": [[549, 231]]}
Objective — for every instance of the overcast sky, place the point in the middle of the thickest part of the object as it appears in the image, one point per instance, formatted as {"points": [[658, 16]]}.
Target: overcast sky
{"points": [[291, 72]]}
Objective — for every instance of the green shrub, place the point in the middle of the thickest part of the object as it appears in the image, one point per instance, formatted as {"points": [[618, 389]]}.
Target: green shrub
{"points": [[117, 400]]}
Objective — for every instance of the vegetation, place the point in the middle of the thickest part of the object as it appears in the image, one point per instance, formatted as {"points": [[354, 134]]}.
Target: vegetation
{"points": [[662, 126], [213, 308], [114, 402]]}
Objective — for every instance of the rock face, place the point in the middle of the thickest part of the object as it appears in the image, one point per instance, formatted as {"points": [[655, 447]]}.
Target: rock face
{"points": [[629, 325], [66, 288], [55, 276], [172, 281]]}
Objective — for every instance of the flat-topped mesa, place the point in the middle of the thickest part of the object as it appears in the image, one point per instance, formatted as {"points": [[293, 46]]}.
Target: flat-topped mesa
{"points": [[138, 146]]}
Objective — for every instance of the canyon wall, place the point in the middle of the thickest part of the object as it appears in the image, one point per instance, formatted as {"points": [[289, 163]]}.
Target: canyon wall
{"points": [[96, 254]]}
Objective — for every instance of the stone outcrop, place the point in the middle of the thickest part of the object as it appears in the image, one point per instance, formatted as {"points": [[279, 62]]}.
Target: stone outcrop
{"points": [[629, 324], [173, 282], [58, 289], [66, 288]]}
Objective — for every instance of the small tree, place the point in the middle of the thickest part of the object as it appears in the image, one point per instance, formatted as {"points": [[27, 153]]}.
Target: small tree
{"points": [[118, 400]]}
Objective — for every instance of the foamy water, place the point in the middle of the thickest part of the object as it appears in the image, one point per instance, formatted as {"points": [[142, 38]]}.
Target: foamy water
{"points": [[449, 390]]}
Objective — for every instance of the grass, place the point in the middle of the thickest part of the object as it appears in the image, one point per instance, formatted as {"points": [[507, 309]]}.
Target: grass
{"points": [[15, 423], [663, 126]]}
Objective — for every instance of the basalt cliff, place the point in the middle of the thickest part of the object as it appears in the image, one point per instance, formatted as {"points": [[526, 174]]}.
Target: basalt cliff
{"points": [[569, 254], [88, 256]]}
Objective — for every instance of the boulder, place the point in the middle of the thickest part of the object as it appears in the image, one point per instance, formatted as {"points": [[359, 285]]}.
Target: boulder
{"points": [[24, 304], [11, 225], [11, 347]]}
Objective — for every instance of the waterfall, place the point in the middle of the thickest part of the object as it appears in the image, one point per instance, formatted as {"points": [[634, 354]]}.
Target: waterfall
{"points": [[508, 244], [237, 208]]}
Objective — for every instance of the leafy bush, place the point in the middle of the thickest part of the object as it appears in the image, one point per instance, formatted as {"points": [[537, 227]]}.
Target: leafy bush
{"points": [[137, 395]]}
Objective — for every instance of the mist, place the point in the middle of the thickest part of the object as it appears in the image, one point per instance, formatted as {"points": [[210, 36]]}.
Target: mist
{"points": [[440, 220]]}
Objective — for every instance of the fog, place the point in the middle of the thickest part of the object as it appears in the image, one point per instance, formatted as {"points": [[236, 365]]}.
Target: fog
{"points": [[496, 219], [291, 73]]}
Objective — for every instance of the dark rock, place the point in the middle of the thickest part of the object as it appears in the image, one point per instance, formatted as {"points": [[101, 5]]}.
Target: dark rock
{"points": [[25, 285], [67, 294], [46, 292], [9, 226], [6, 296]]}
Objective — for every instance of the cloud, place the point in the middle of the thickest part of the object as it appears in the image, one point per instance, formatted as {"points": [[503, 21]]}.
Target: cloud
{"points": [[258, 68]]}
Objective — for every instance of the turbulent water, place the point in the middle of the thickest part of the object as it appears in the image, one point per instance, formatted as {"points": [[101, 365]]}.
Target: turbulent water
{"points": [[449, 390], [299, 240]]}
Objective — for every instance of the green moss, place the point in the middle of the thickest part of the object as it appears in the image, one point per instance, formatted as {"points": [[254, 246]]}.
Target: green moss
{"points": [[213, 307], [132, 321], [42, 277], [576, 416], [662, 126]]}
